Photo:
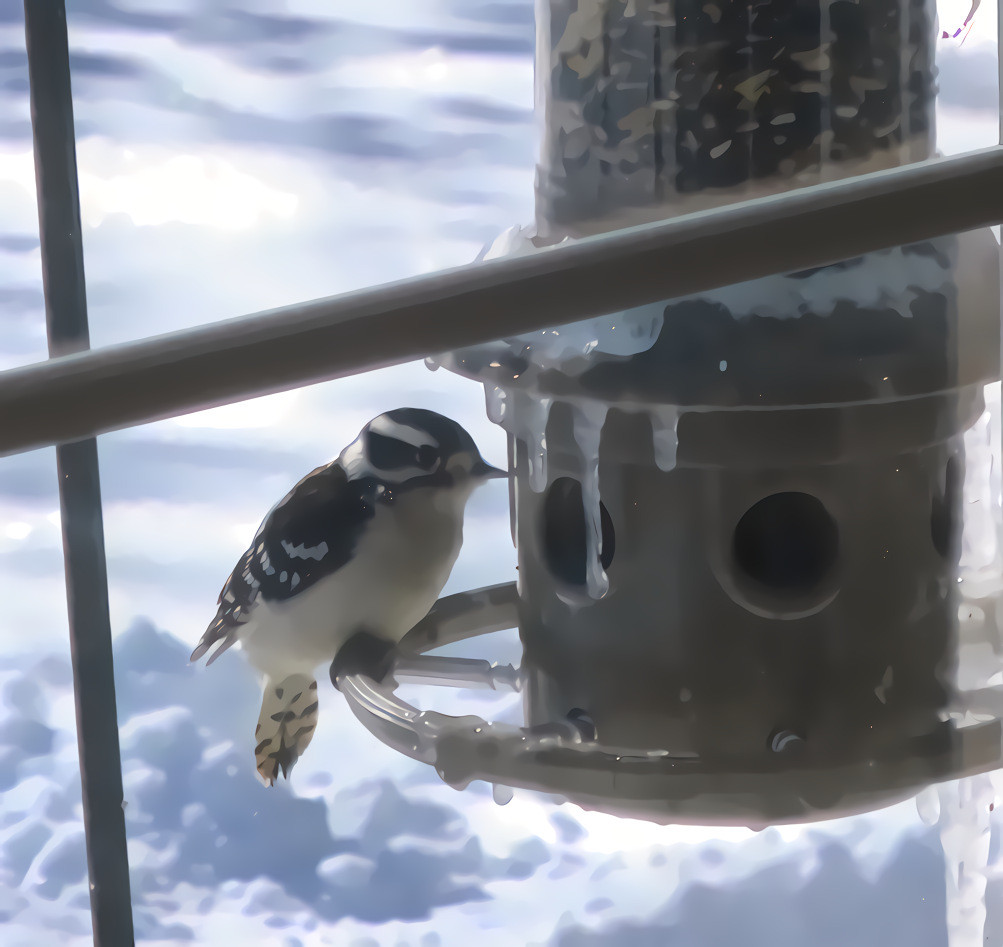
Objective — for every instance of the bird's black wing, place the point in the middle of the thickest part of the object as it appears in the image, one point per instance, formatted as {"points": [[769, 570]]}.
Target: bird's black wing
{"points": [[308, 535], [312, 532]]}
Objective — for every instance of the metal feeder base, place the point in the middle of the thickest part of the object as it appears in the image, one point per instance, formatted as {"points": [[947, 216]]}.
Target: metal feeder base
{"points": [[639, 782]]}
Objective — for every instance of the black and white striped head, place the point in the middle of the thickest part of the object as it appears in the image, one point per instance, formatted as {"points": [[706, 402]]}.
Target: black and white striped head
{"points": [[417, 447]]}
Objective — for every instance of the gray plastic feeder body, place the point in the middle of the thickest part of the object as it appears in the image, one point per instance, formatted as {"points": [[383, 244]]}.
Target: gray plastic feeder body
{"points": [[801, 595], [785, 594], [770, 584]]}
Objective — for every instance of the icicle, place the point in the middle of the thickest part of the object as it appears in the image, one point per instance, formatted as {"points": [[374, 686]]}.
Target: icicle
{"points": [[664, 436], [525, 416], [495, 402], [537, 446], [928, 805], [502, 795], [589, 418], [979, 538], [533, 414], [964, 835]]}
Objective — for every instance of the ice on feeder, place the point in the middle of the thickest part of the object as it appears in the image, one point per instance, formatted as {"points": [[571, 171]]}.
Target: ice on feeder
{"points": [[878, 278], [965, 806], [928, 805], [495, 400], [664, 435], [514, 241], [881, 691], [527, 420], [980, 540], [622, 334], [588, 420], [502, 795]]}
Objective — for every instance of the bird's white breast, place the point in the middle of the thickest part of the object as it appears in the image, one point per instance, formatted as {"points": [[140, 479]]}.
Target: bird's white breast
{"points": [[398, 568]]}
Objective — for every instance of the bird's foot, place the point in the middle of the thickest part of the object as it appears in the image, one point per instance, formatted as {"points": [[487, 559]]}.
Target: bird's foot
{"points": [[363, 653]]}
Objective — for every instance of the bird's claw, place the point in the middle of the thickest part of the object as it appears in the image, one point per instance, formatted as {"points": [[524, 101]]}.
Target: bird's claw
{"points": [[363, 653]]}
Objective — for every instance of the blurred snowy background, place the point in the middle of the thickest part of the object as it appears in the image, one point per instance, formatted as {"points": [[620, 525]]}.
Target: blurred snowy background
{"points": [[236, 156]]}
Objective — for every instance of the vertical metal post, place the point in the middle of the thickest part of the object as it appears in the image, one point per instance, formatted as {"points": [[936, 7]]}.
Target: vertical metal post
{"points": [[79, 486]]}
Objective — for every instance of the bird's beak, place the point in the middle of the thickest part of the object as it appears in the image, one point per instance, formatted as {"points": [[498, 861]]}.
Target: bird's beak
{"points": [[485, 471]]}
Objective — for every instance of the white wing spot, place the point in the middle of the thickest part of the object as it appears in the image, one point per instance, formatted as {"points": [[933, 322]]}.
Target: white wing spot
{"points": [[295, 581], [302, 551], [283, 576]]}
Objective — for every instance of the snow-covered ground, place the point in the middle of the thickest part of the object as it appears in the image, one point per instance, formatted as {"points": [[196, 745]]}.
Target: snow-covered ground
{"points": [[237, 156]]}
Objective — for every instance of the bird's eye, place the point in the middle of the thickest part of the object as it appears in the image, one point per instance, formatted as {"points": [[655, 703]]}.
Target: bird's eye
{"points": [[427, 457]]}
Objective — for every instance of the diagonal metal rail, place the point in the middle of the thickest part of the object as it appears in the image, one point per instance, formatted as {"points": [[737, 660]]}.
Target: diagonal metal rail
{"points": [[94, 392], [79, 486]]}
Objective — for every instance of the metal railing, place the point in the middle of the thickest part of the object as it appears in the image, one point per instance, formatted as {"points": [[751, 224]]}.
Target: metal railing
{"points": [[227, 361], [232, 360], [79, 485]]}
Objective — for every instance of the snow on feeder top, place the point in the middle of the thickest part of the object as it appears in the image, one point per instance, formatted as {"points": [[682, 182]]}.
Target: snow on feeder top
{"points": [[740, 515]]}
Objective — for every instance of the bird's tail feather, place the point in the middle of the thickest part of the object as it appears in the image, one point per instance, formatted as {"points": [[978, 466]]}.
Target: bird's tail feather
{"points": [[286, 724]]}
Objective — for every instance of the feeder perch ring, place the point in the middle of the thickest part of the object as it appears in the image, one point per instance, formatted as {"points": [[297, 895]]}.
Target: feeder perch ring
{"points": [[649, 783]]}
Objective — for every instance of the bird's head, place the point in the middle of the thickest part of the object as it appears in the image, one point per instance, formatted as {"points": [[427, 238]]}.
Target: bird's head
{"points": [[414, 447]]}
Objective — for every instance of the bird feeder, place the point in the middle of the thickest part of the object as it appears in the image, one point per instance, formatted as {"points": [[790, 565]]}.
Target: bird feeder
{"points": [[758, 530]]}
